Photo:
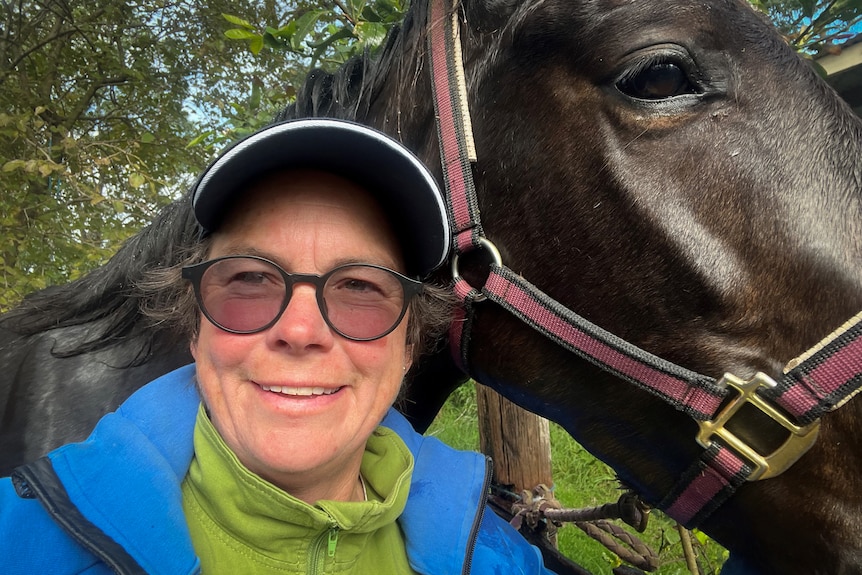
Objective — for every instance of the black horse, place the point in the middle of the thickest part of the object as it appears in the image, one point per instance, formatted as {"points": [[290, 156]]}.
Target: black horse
{"points": [[669, 169]]}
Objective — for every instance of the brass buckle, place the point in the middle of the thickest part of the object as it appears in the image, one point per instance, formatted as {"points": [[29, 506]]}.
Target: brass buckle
{"points": [[768, 465]]}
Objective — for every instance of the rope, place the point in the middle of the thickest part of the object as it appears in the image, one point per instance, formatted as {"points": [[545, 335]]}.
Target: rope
{"points": [[640, 555], [540, 511]]}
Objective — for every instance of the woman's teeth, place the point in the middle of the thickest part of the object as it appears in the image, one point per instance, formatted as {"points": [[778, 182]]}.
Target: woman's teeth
{"points": [[304, 391]]}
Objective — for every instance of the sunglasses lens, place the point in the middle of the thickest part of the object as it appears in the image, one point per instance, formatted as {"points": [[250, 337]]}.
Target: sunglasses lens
{"points": [[242, 294], [363, 302]]}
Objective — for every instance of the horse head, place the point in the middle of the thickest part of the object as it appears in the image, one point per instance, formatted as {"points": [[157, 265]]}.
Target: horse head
{"points": [[677, 175]]}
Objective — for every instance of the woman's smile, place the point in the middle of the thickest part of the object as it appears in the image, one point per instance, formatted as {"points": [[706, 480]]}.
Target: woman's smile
{"points": [[294, 391]]}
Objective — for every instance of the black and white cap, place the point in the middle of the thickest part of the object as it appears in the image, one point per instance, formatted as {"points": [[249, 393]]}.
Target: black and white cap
{"points": [[403, 186]]}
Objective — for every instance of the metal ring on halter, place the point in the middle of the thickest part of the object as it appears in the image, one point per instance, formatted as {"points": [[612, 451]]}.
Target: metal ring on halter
{"points": [[486, 244]]}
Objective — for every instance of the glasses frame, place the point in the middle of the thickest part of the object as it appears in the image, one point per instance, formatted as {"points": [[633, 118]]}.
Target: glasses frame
{"points": [[194, 273]]}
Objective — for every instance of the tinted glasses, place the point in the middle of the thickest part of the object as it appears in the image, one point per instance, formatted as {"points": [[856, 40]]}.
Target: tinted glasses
{"points": [[247, 294]]}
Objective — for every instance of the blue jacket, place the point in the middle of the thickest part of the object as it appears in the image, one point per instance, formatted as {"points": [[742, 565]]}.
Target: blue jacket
{"points": [[112, 503]]}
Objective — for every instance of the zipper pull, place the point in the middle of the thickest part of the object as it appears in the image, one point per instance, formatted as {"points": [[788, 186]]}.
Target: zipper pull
{"points": [[333, 541]]}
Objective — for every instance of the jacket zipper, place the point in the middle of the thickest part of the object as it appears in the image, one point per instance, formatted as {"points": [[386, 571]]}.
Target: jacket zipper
{"points": [[477, 521], [328, 540]]}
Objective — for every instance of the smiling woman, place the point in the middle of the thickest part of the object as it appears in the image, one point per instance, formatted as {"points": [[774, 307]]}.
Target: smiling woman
{"points": [[279, 450], [311, 445]]}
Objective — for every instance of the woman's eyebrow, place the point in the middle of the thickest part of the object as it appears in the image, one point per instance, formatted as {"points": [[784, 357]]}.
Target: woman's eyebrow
{"points": [[241, 249], [246, 250]]}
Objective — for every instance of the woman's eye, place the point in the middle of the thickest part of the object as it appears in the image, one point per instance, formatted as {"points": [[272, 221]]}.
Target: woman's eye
{"points": [[358, 285], [249, 278], [656, 81]]}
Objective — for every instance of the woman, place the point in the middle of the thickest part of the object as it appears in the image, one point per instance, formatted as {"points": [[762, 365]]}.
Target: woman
{"points": [[278, 450]]}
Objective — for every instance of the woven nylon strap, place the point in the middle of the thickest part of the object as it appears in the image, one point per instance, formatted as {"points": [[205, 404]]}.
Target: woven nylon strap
{"points": [[823, 378]]}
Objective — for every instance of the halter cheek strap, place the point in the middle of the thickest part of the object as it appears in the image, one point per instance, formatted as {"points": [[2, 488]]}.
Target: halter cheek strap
{"points": [[817, 382]]}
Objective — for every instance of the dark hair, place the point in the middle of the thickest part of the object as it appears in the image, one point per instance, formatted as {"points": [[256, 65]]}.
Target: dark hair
{"points": [[168, 301]]}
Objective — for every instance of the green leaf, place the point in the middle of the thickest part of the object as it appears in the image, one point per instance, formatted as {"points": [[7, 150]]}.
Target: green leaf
{"points": [[48, 168], [136, 180], [147, 138], [13, 165], [283, 32], [254, 100], [199, 138], [305, 25], [808, 7], [370, 32], [240, 34], [342, 33], [370, 15], [275, 42], [256, 45], [271, 31], [237, 20]]}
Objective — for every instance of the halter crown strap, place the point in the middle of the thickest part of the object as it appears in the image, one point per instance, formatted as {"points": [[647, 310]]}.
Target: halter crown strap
{"points": [[453, 125]]}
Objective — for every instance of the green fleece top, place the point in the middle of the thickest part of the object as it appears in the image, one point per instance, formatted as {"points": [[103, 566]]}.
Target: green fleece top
{"points": [[240, 523]]}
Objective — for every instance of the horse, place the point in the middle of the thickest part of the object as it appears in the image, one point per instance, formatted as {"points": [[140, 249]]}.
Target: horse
{"points": [[670, 170]]}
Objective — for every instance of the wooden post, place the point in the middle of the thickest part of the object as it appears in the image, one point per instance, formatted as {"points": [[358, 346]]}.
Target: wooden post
{"points": [[517, 440]]}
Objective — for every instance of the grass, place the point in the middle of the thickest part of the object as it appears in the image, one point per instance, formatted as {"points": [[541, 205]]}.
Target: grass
{"points": [[581, 481]]}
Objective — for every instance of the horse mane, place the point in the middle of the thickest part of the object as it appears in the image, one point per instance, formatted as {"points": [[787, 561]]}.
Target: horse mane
{"points": [[108, 300], [343, 93], [352, 90]]}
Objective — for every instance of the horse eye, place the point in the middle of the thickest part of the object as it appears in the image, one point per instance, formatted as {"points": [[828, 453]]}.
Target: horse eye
{"points": [[656, 81]]}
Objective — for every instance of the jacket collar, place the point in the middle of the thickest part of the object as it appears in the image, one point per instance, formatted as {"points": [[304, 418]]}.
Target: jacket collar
{"points": [[446, 503], [138, 503]]}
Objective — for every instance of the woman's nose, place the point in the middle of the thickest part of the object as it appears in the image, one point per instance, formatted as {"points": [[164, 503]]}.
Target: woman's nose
{"points": [[301, 325]]}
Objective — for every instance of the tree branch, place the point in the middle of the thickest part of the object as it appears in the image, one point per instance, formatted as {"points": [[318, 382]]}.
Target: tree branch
{"points": [[84, 101], [340, 5]]}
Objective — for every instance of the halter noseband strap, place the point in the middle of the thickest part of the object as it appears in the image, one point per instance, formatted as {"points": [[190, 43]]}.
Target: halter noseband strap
{"points": [[818, 381]]}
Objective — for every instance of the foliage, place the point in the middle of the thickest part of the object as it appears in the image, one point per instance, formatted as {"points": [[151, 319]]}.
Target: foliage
{"points": [[322, 35], [813, 26], [111, 107], [99, 101], [310, 33]]}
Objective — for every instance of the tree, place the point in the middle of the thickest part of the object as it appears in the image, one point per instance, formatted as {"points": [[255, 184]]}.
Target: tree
{"points": [[310, 33], [813, 26], [99, 101], [323, 36]]}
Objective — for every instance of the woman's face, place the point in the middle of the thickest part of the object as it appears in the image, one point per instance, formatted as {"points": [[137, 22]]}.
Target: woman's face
{"points": [[326, 393]]}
